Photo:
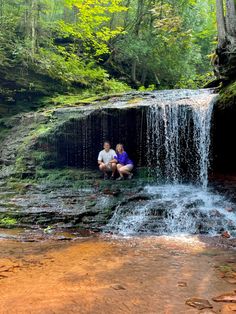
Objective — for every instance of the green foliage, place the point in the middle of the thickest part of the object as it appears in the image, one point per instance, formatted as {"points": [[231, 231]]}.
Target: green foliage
{"points": [[69, 68], [112, 86], [92, 24], [169, 43], [86, 46], [55, 41], [150, 88], [7, 222], [199, 81]]}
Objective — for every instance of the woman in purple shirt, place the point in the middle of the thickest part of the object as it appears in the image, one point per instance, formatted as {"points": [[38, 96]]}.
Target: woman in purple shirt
{"points": [[124, 164]]}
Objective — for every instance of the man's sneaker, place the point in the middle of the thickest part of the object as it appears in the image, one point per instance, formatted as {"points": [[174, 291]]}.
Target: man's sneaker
{"points": [[120, 179], [105, 177], [112, 178], [130, 176]]}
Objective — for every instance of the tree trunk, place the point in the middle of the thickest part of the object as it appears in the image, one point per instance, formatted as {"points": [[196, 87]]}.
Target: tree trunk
{"points": [[126, 19], [220, 22], [1, 8], [134, 67], [144, 76], [225, 60], [33, 26], [231, 18], [30, 20], [139, 17]]}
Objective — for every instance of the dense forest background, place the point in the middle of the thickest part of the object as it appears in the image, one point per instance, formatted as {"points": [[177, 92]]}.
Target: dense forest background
{"points": [[91, 47]]}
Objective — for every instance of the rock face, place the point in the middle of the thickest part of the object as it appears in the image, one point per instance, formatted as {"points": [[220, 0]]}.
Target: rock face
{"points": [[71, 202], [73, 136], [77, 141], [13, 149], [225, 62]]}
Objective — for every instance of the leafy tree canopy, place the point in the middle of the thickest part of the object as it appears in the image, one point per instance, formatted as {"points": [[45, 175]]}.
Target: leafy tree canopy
{"points": [[68, 46]]}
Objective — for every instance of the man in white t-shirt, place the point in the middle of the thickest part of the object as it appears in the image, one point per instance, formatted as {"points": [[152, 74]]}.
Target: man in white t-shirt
{"points": [[105, 158]]}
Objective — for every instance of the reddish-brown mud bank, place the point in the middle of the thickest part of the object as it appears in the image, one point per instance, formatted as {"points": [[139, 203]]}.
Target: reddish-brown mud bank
{"points": [[104, 275]]}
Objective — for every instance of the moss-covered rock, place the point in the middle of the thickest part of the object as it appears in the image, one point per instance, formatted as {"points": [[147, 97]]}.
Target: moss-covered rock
{"points": [[71, 136], [228, 96], [7, 222]]}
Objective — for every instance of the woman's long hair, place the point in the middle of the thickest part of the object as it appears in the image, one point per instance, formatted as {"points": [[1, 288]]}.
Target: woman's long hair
{"points": [[121, 147]]}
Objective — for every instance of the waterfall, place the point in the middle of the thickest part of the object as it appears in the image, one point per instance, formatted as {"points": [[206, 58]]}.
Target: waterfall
{"points": [[178, 136], [178, 144]]}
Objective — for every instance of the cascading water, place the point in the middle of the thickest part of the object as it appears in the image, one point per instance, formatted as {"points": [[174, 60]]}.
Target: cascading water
{"points": [[178, 142], [179, 137], [174, 209]]}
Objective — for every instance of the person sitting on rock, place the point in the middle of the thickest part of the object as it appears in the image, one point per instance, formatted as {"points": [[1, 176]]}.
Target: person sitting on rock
{"points": [[124, 164], [106, 161]]}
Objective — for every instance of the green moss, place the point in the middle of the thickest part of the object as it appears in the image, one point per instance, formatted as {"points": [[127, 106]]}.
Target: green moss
{"points": [[225, 268], [77, 177], [142, 173], [26, 154], [228, 96], [89, 96], [7, 196], [71, 100], [150, 88], [3, 133], [20, 165], [41, 130], [40, 157], [82, 184], [90, 204], [135, 100], [17, 185], [5, 126], [7, 222], [9, 205]]}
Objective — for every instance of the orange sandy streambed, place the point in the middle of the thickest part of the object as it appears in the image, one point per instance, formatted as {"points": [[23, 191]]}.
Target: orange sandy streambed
{"points": [[110, 275]]}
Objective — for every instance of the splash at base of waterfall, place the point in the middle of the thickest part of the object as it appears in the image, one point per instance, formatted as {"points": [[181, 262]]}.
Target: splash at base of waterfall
{"points": [[174, 209], [178, 150]]}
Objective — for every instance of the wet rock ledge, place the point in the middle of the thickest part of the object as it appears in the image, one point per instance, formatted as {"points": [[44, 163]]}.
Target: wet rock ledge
{"points": [[65, 199]]}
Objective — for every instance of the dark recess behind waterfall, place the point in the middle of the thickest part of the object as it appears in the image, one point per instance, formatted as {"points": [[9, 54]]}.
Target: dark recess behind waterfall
{"points": [[224, 140], [77, 142]]}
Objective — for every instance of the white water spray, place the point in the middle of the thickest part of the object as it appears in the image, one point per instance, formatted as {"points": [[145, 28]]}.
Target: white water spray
{"points": [[175, 209]]}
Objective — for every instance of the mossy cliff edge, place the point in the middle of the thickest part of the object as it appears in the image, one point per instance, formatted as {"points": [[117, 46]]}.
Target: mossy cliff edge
{"points": [[70, 135]]}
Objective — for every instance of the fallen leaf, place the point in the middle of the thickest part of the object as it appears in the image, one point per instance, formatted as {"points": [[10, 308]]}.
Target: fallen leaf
{"points": [[118, 287], [182, 284], [199, 303], [227, 297]]}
